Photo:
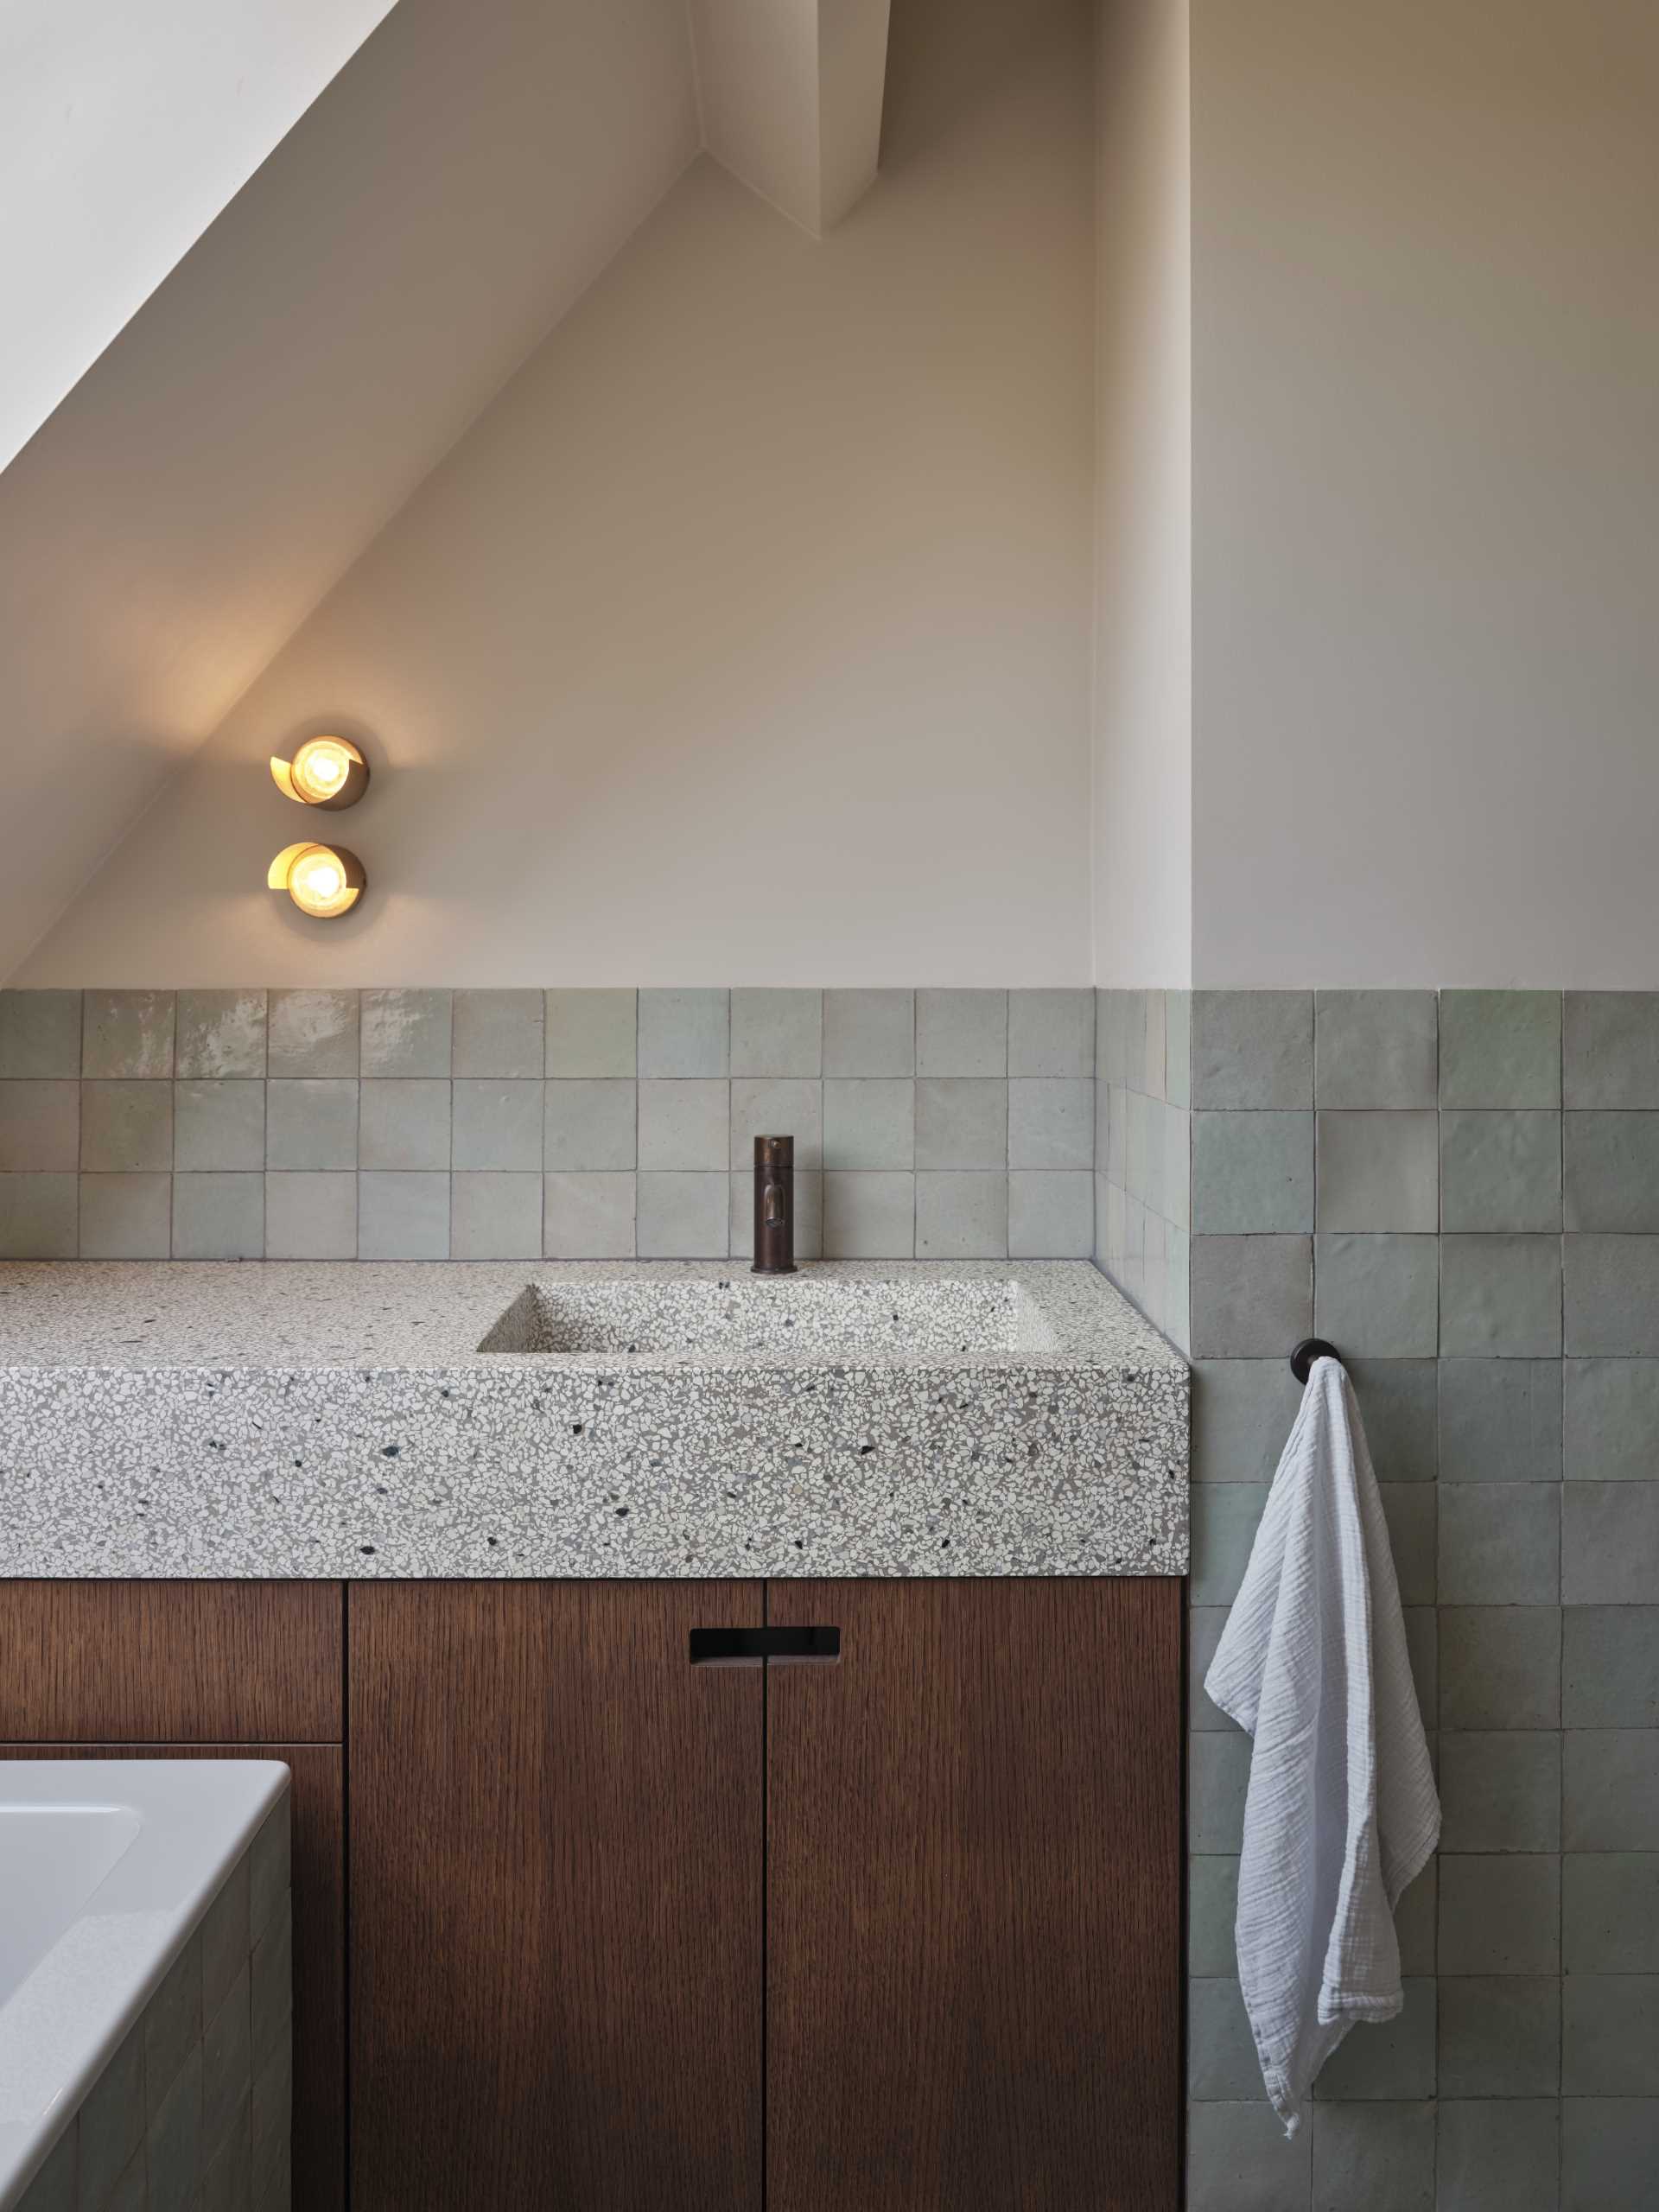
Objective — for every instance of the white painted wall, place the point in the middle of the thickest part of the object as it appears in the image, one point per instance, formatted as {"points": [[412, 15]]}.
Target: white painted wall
{"points": [[817, 519], [124, 130], [1144, 550], [1427, 475], [429, 218], [747, 637]]}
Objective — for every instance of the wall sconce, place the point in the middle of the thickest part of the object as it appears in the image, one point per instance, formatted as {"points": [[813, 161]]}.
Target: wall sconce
{"points": [[325, 772], [322, 879]]}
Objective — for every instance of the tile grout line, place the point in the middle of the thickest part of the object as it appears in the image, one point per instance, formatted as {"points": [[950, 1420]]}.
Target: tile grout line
{"points": [[1312, 1317], [1561, 1704], [1439, 1687]]}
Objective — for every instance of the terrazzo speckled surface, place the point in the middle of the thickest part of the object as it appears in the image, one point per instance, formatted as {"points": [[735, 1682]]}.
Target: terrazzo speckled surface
{"points": [[596, 1419]]}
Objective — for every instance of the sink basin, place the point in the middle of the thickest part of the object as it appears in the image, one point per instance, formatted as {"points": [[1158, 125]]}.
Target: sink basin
{"points": [[809, 1316]]}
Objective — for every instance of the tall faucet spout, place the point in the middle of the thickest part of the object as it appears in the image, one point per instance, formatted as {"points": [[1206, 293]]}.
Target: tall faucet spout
{"points": [[774, 1206]]}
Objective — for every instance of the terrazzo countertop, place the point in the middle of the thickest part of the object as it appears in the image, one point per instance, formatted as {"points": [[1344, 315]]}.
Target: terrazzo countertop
{"points": [[605, 1419]]}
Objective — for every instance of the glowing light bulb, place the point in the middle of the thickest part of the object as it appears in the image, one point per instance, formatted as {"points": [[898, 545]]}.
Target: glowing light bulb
{"points": [[322, 879], [326, 772], [319, 880]]}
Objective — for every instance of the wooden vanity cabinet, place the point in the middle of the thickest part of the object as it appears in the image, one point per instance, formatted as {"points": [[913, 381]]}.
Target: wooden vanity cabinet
{"points": [[628, 1934], [900, 1931]]}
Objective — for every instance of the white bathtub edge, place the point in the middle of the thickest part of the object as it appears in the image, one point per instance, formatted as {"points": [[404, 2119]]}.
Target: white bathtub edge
{"points": [[199, 1816]]}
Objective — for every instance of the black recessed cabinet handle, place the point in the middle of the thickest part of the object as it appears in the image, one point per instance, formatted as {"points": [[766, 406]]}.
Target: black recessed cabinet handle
{"points": [[751, 1647]]}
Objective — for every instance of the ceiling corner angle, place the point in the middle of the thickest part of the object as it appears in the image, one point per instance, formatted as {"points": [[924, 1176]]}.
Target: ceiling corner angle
{"points": [[789, 94]]}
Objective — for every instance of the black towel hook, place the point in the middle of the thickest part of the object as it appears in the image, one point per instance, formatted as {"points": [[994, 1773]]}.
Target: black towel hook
{"points": [[1309, 1350]]}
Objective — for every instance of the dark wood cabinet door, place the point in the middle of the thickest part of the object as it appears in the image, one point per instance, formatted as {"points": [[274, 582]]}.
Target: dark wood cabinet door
{"points": [[974, 1883], [170, 1662], [557, 1886], [318, 1877]]}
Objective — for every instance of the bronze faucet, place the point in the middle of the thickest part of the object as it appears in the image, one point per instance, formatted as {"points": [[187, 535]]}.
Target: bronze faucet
{"points": [[774, 1206]]}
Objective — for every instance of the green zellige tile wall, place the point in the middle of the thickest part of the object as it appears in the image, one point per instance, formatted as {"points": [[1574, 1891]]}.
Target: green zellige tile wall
{"points": [[1461, 1189], [521, 1124]]}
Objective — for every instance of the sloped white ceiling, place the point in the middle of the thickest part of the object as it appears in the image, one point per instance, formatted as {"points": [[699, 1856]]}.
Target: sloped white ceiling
{"points": [[452, 192], [124, 131], [747, 634]]}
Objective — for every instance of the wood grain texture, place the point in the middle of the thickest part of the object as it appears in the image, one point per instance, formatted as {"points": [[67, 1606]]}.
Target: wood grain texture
{"points": [[557, 1899], [974, 1899], [319, 1880], [171, 1663]]}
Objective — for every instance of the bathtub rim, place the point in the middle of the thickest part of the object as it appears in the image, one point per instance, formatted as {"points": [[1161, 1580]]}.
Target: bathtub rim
{"points": [[199, 1816]]}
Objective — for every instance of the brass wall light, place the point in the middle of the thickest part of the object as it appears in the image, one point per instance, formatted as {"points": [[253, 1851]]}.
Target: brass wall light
{"points": [[322, 879], [325, 772]]}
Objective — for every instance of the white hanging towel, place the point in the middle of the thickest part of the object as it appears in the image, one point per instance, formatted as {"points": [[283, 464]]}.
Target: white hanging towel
{"points": [[1341, 1811]]}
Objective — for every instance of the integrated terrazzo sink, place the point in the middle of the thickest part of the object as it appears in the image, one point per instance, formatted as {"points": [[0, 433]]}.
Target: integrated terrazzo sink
{"points": [[595, 1418], [815, 1314]]}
